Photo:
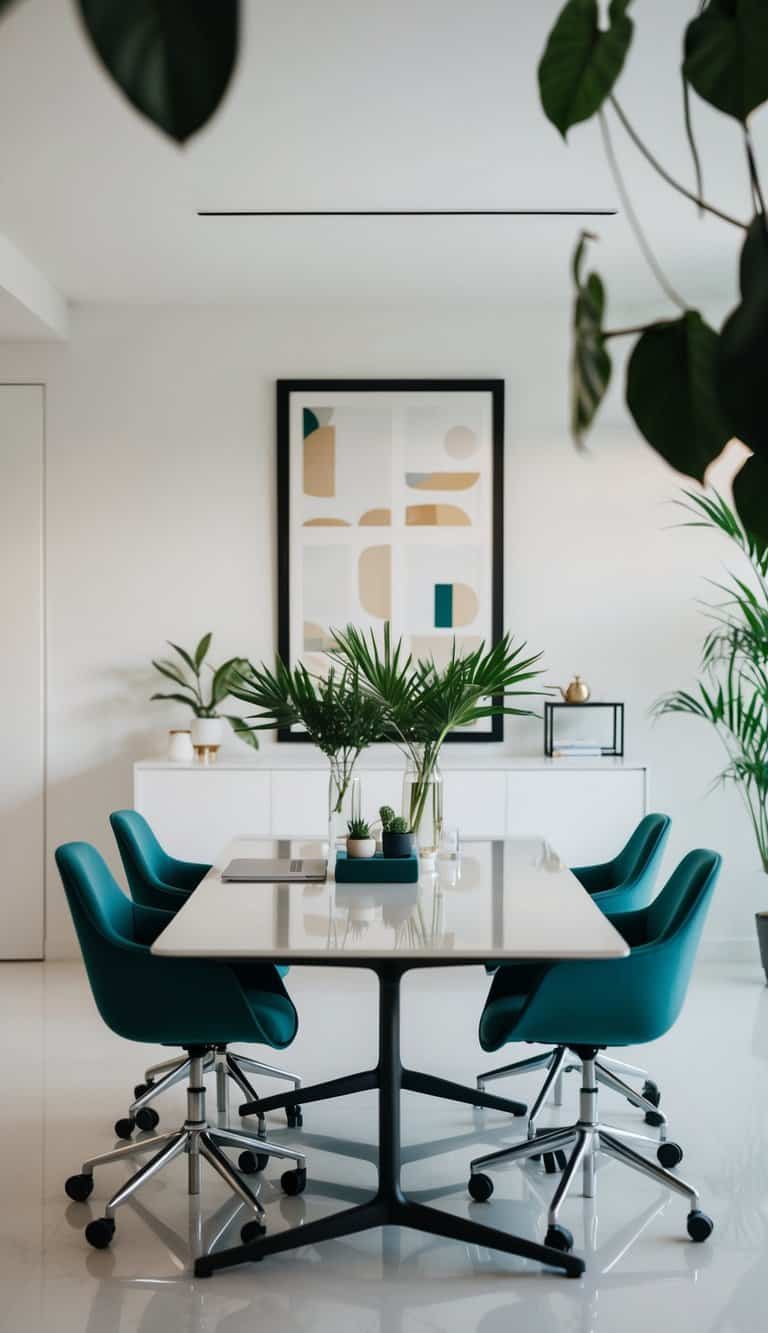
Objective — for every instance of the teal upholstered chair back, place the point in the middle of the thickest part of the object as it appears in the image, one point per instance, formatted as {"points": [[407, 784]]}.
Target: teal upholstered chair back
{"points": [[627, 882], [154, 878], [168, 1000], [615, 1002]]}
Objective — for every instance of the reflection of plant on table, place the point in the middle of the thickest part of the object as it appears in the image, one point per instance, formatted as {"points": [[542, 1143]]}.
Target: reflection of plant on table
{"points": [[187, 675]]}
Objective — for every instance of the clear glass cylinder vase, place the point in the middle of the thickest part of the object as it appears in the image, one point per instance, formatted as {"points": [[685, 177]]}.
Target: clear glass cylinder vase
{"points": [[423, 802], [344, 803]]}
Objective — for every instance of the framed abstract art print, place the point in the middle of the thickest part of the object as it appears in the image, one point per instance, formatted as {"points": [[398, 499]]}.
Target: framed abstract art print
{"points": [[390, 508]]}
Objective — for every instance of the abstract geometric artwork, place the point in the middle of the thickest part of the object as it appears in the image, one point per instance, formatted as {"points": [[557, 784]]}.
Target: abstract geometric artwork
{"points": [[389, 509]]}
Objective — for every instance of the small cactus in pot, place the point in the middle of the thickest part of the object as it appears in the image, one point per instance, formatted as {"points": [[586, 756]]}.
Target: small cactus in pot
{"points": [[396, 836]]}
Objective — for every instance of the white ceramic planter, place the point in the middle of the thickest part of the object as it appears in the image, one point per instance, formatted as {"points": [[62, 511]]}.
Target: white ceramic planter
{"points": [[207, 734], [361, 848], [180, 748]]}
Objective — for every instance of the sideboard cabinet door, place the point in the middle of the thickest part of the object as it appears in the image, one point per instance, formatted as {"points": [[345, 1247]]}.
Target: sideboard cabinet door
{"points": [[195, 813], [587, 815]]}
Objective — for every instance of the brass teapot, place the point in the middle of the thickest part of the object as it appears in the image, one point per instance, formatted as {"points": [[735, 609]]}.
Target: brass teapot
{"points": [[577, 692]]}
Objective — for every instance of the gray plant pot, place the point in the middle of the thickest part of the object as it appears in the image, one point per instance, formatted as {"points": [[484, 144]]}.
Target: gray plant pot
{"points": [[396, 844], [761, 921]]}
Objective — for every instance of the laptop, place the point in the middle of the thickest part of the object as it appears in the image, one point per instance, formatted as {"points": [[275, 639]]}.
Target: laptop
{"points": [[280, 870]]}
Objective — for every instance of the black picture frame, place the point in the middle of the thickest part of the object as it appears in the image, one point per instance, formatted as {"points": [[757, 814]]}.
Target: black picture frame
{"points": [[495, 389]]}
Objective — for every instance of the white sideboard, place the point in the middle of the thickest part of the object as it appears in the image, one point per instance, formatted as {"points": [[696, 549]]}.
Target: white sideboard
{"points": [[586, 808]]}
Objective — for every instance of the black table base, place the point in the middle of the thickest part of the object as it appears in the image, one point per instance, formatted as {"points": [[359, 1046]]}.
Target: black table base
{"points": [[389, 1206]]}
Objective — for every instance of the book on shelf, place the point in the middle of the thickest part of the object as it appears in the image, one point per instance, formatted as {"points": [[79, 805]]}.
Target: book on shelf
{"points": [[577, 750]]}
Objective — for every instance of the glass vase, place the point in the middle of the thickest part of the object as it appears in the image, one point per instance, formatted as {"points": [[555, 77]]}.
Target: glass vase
{"points": [[423, 801], [344, 803]]}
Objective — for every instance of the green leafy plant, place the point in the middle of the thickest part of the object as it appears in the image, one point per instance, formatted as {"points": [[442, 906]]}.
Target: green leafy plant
{"points": [[187, 675], [421, 703], [689, 388], [339, 716], [358, 828], [732, 692]]}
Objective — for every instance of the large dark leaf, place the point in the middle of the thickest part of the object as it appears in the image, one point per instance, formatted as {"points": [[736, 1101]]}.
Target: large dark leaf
{"points": [[726, 55], [173, 59], [590, 362], [750, 495], [581, 63], [742, 358], [672, 396]]}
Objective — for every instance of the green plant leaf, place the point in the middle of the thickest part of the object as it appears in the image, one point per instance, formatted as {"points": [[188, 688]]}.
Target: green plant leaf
{"points": [[242, 731], [170, 670], [581, 63], [590, 361], [750, 495], [172, 60], [223, 678], [726, 55], [201, 650], [180, 699], [742, 355], [671, 393], [184, 655]]}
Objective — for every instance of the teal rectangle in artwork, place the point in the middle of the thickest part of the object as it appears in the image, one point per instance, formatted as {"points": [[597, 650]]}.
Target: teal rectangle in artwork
{"points": [[443, 605]]}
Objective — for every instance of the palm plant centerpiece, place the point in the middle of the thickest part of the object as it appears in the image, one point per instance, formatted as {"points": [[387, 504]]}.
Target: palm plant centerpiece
{"points": [[421, 703], [732, 691], [339, 716]]}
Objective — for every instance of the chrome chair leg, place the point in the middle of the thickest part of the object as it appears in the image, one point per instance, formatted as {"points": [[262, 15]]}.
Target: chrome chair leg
{"points": [[269, 1071], [553, 1076], [610, 1080], [518, 1067]]}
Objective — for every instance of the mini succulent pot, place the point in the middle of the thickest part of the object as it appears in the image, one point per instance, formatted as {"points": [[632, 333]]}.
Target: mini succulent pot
{"points": [[396, 844], [361, 843], [761, 921]]}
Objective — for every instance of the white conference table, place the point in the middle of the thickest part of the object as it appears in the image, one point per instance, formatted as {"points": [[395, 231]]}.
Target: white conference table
{"points": [[504, 901]]}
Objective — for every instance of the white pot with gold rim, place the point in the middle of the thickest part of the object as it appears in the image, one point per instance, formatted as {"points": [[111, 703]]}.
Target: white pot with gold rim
{"points": [[207, 733]]}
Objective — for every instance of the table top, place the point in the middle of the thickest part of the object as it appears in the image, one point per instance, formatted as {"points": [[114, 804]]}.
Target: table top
{"points": [[505, 899]]}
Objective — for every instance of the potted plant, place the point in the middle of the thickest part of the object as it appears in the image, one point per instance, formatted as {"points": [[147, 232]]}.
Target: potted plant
{"points": [[208, 726], [732, 691], [396, 836], [421, 703], [339, 717], [361, 843]]}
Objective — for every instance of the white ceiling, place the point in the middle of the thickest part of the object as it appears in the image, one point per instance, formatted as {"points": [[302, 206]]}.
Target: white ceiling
{"points": [[390, 103]]}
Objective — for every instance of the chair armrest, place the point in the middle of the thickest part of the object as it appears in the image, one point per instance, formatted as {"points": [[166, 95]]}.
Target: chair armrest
{"points": [[148, 922]]}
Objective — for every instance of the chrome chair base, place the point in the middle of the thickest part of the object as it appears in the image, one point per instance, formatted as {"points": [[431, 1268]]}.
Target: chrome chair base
{"points": [[228, 1066], [199, 1140], [585, 1139], [607, 1072]]}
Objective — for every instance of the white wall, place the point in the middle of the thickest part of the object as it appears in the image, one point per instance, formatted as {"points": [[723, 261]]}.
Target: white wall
{"points": [[160, 510]]}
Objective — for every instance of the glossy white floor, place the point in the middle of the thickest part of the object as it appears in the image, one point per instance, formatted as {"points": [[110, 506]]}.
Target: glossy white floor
{"points": [[65, 1079]]}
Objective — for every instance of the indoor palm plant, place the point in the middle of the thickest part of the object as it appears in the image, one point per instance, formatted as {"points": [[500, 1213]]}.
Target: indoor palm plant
{"points": [[338, 715], [422, 703], [187, 676], [732, 691]]}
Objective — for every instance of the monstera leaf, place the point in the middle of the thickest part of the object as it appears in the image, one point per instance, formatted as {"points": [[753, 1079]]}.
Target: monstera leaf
{"points": [[726, 55], [742, 358], [590, 362], [581, 62], [750, 495], [173, 59], [672, 396]]}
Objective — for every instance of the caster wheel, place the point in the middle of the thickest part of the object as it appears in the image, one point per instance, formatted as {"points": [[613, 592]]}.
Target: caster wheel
{"points": [[654, 1118], [252, 1231], [559, 1238], [294, 1182], [79, 1187], [250, 1162], [147, 1118], [294, 1117], [700, 1226], [140, 1089], [480, 1187], [99, 1232], [669, 1154], [124, 1128], [651, 1092]]}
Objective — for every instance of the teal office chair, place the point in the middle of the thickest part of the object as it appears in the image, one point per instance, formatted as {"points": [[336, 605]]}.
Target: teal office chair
{"points": [[586, 1006], [624, 884], [195, 1004], [158, 880]]}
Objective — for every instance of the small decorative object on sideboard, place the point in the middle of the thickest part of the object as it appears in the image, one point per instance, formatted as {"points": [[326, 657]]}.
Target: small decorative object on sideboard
{"points": [[396, 837], [180, 748], [577, 692], [208, 726], [361, 843], [588, 747]]}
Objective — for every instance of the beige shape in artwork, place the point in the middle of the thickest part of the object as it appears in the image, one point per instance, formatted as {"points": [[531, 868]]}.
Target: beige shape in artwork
{"points": [[325, 523], [460, 442], [436, 516], [376, 518], [375, 579], [320, 462], [464, 604], [317, 639], [441, 481], [437, 648]]}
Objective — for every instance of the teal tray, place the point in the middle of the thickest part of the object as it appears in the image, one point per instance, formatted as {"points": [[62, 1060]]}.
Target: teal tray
{"points": [[376, 869]]}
